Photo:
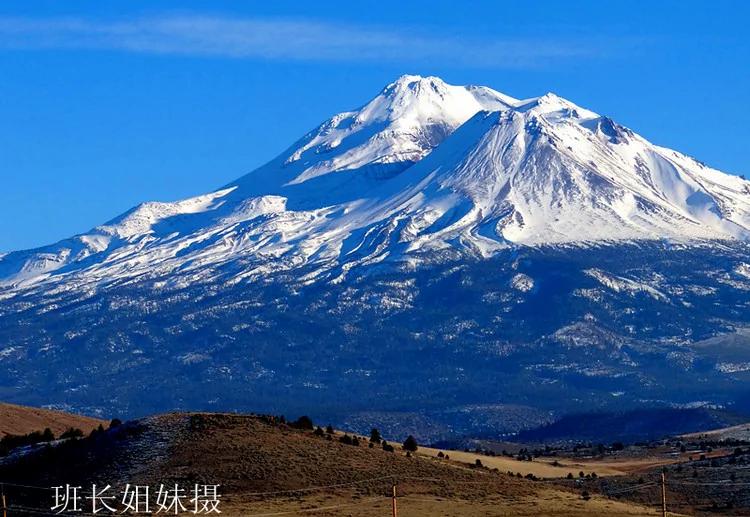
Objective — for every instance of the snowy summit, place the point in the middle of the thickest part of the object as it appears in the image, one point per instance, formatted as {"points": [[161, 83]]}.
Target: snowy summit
{"points": [[424, 170]]}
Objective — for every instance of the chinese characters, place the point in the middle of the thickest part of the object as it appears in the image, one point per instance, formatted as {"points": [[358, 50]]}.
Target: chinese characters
{"points": [[166, 499]]}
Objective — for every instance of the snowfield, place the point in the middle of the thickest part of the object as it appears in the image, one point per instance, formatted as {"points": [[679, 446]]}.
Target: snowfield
{"points": [[425, 170]]}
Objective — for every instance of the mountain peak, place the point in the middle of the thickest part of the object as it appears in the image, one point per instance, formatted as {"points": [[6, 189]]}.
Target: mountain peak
{"points": [[400, 126], [423, 166], [413, 100], [414, 82], [552, 106]]}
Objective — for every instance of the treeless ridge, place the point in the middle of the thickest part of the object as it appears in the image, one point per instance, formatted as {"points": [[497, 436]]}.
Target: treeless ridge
{"points": [[540, 467], [23, 420]]}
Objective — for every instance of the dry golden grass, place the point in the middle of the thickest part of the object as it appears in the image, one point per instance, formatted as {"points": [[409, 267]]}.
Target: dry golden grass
{"points": [[22, 420], [249, 457], [545, 502], [268, 469], [544, 467], [540, 467]]}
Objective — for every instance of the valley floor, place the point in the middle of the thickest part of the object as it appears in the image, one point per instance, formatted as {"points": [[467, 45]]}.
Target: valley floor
{"points": [[543, 503], [266, 467]]}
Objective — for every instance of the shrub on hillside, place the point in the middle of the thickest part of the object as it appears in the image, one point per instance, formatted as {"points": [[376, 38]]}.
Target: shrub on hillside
{"points": [[99, 430], [349, 440], [11, 441], [410, 444], [304, 422], [72, 433]]}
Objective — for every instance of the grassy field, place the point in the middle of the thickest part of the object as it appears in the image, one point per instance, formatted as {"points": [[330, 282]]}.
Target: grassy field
{"points": [[266, 468], [540, 467], [542, 503], [561, 466], [22, 420]]}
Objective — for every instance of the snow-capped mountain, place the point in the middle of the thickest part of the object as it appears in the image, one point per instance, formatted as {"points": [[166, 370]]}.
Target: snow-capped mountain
{"points": [[422, 171], [451, 258]]}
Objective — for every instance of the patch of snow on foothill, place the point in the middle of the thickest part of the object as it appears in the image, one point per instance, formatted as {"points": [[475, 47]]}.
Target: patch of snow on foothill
{"points": [[521, 282], [743, 269], [620, 284]]}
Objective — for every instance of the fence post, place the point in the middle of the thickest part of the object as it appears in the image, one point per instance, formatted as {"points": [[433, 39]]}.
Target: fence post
{"points": [[663, 494], [5, 508], [395, 509]]}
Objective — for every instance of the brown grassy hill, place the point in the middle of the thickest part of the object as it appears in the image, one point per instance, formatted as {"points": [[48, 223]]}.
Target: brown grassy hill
{"points": [[267, 468], [23, 420]]}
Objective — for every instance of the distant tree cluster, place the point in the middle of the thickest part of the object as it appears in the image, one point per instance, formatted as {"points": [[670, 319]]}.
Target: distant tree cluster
{"points": [[97, 432], [272, 419], [12, 441], [71, 432], [583, 475], [349, 440], [304, 423]]}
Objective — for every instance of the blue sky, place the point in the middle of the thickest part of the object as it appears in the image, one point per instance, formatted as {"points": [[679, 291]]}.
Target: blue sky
{"points": [[107, 104]]}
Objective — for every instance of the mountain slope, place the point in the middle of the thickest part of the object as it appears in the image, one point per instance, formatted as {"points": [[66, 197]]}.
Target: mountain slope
{"points": [[423, 167], [20, 420], [262, 467], [494, 262]]}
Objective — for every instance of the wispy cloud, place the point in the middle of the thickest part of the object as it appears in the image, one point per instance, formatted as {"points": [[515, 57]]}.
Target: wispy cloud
{"points": [[284, 39]]}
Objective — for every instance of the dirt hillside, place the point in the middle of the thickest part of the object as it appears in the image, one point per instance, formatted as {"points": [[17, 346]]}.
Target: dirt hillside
{"points": [[23, 420], [267, 468]]}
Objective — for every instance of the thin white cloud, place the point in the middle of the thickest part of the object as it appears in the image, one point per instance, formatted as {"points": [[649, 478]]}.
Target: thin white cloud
{"points": [[282, 39]]}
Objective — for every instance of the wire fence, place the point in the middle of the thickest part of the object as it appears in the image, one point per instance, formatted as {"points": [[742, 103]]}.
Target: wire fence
{"points": [[19, 498]]}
